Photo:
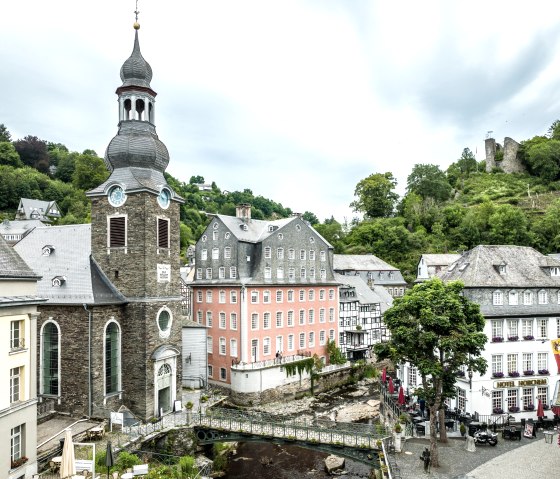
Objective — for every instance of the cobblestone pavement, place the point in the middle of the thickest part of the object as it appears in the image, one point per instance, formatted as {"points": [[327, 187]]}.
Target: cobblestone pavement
{"points": [[506, 460]]}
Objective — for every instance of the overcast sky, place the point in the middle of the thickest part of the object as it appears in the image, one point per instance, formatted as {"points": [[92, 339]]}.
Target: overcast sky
{"points": [[295, 100]]}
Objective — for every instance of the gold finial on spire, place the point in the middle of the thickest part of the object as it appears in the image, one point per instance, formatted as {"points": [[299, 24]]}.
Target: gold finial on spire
{"points": [[136, 12]]}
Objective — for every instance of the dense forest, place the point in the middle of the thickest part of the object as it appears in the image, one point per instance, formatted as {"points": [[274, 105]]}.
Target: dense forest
{"points": [[441, 211]]}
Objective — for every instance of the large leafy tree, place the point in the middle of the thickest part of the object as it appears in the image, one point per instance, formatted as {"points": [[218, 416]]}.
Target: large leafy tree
{"points": [[9, 155], [5, 135], [544, 159], [376, 195], [33, 152], [435, 328], [90, 171], [429, 181]]}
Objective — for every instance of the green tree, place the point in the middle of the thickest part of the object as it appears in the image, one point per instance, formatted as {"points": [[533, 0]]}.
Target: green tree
{"points": [[544, 159], [5, 135], [196, 180], [310, 217], [9, 155], [467, 162], [90, 171], [553, 132], [438, 330], [376, 195], [429, 181], [508, 225]]}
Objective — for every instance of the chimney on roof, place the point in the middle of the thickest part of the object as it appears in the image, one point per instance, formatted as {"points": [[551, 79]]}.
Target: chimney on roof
{"points": [[243, 211], [296, 215]]}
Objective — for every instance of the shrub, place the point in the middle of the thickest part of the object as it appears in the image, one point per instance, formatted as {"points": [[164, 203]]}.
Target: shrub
{"points": [[462, 428], [189, 405], [126, 460], [398, 427], [187, 467]]}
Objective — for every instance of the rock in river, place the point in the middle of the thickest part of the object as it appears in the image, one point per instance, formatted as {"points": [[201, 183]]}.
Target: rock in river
{"points": [[332, 463]]}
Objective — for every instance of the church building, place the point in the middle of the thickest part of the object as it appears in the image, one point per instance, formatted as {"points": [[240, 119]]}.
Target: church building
{"points": [[110, 332]]}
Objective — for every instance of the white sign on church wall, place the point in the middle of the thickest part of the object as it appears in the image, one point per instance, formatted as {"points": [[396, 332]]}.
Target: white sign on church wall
{"points": [[163, 273]]}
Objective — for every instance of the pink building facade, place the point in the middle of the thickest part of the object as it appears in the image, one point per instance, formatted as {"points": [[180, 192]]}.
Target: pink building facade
{"points": [[266, 292]]}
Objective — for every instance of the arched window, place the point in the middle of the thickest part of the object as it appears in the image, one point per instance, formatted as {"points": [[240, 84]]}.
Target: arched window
{"points": [[50, 359], [112, 358]]}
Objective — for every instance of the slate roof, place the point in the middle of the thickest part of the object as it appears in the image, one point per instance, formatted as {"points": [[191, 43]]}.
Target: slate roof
{"points": [[18, 227], [364, 294], [440, 259], [28, 206], [369, 266], [360, 262], [84, 282], [525, 268], [257, 230], [12, 266]]}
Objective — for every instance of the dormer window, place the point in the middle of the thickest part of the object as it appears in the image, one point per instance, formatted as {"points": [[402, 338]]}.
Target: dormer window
{"points": [[555, 271], [58, 281], [502, 268], [463, 266], [48, 250], [215, 226]]}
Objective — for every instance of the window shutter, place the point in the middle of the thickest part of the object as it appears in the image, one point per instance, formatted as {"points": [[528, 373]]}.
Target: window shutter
{"points": [[163, 233], [117, 232]]}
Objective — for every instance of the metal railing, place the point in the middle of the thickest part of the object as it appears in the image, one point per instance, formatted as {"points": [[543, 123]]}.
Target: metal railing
{"points": [[241, 366], [260, 424]]}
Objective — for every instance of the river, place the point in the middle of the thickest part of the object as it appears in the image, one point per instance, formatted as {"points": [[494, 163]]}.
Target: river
{"points": [[266, 460]]}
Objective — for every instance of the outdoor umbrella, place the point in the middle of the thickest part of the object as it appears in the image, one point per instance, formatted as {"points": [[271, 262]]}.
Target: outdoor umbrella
{"points": [[67, 464], [391, 387], [109, 461], [540, 409], [384, 375], [401, 396]]}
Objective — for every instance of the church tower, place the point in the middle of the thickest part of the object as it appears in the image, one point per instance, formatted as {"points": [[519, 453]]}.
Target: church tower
{"points": [[135, 241]]}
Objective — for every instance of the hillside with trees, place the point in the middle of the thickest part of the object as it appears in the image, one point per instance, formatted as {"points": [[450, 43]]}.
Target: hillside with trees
{"points": [[441, 211]]}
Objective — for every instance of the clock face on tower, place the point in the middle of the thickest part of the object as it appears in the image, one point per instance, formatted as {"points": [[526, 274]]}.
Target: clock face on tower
{"points": [[117, 197], [164, 198]]}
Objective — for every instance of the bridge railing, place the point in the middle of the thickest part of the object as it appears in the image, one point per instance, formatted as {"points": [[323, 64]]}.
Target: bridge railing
{"points": [[260, 424]]}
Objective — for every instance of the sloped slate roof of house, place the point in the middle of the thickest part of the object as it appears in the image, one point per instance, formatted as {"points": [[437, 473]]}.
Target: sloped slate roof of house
{"points": [[525, 268], [12, 265], [364, 293], [18, 227], [41, 207], [70, 260], [360, 262], [257, 230], [440, 259]]}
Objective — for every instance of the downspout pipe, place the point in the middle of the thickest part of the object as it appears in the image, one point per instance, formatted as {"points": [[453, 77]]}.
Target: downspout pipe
{"points": [[89, 312]]}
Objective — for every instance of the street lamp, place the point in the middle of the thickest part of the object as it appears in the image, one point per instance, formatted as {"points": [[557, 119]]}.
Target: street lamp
{"points": [[470, 378]]}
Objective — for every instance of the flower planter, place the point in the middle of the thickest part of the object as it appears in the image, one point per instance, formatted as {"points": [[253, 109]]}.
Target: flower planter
{"points": [[513, 338], [528, 338], [543, 371], [19, 462], [530, 372], [530, 407], [497, 339], [513, 409], [498, 375], [513, 374], [498, 410]]}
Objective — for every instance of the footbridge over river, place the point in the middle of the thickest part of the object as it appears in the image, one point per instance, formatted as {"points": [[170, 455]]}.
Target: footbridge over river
{"points": [[358, 442]]}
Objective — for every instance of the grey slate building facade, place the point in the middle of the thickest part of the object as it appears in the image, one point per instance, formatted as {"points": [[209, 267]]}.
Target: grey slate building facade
{"points": [[111, 331], [518, 290]]}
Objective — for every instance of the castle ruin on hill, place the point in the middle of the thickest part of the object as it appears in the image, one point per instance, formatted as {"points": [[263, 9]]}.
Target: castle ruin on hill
{"points": [[503, 158]]}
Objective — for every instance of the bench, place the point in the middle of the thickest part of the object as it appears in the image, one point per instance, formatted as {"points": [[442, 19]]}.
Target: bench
{"points": [[140, 470]]}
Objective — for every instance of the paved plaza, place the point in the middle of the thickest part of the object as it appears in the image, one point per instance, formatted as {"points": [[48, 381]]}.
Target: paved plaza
{"points": [[507, 460]]}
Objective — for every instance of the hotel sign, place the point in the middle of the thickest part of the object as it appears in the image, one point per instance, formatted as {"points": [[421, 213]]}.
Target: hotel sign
{"points": [[518, 383]]}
